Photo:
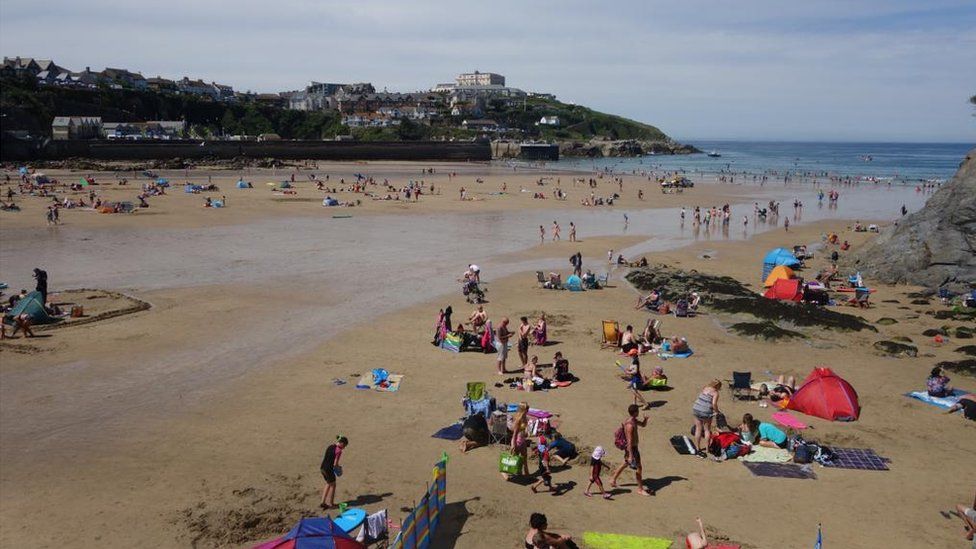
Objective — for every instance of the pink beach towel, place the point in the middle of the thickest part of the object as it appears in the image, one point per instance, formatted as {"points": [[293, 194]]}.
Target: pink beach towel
{"points": [[786, 420]]}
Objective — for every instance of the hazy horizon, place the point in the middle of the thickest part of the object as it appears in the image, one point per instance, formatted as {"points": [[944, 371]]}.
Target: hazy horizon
{"points": [[874, 71]]}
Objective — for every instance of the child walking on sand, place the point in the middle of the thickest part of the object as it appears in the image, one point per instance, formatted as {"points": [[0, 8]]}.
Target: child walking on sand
{"points": [[596, 469], [545, 470]]}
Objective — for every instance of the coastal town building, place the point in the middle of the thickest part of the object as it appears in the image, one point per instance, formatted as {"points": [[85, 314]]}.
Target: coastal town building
{"points": [[160, 84], [479, 79], [548, 121], [76, 127], [123, 78]]}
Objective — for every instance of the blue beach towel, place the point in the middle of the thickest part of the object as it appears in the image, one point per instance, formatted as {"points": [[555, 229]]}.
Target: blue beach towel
{"points": [[941, 402], [685, 354]]}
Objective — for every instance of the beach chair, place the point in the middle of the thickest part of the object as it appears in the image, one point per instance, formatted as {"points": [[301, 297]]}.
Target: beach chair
{"points": [[611, 334], [498, 427], [741, 385], [476, 390]]}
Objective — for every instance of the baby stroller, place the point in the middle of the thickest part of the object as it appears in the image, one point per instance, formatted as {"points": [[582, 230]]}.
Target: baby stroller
{"points": [[472, 293]]}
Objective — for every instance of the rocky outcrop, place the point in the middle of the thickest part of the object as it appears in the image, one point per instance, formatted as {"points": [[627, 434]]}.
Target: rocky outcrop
{"points": [[934, 247], [598, 148]]}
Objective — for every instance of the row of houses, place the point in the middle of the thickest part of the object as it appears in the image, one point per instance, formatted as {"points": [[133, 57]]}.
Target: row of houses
{"points": [[92, 127], [46, 72]]}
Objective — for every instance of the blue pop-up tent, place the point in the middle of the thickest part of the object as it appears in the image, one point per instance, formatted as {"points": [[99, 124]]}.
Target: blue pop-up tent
{"points": [[779, 256]]}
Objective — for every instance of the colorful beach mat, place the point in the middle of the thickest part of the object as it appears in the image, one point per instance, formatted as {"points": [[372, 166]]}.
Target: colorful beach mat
{"points": [[600, 540], [780, 470], [451, 432], [858, 458], [941, 402], [762, 454], [787, 420]]}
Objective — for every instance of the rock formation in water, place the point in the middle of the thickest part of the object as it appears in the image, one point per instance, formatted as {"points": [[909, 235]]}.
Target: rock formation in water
{"points": [[933, 247]]}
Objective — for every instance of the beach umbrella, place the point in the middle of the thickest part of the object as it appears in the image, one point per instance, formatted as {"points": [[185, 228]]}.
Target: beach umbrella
{"points": [[82, 181], [314, 533]]}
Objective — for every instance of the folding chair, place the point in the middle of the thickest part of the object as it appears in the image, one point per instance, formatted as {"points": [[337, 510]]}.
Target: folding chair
{"points": [[741, 384], [611, 334], [498, 427]]}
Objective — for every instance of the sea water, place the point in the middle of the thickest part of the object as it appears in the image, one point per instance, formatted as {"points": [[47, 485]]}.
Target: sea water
{"points": [[903, 162]]}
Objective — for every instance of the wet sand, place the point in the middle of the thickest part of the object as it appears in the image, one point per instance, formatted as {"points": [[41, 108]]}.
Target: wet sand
{"points": [[225, 385]]}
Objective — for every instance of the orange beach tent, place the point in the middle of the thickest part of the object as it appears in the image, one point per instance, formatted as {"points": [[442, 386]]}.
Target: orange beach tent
{"points": [[779, 272]]}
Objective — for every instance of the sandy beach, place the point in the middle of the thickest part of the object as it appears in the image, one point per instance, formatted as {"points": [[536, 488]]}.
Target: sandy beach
{"points": [[201, 421]]}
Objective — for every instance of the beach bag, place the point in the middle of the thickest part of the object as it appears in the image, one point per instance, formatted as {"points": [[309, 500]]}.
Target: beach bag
{"points": [[509, 463], [803, 454], [735, 450], [620, 438]]}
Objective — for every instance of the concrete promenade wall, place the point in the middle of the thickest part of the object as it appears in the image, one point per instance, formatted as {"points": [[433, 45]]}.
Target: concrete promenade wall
{"points": [[289, 150]]}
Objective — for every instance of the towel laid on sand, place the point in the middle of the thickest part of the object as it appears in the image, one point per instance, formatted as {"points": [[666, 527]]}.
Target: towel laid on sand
{"points": [[762, 454], [683, 445], [601, 540], [685, 354], [787, 420], [451, 432], [865, 459], [390, 384], [941, 402], [781, 470]]}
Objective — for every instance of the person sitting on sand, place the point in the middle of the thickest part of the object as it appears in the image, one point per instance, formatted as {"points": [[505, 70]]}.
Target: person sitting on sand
{"points": [[938, 383], [539, 538], [967, 403], [746, 432], [475, 430], [560, 368], [627, 341], [657, 377], [478, 318], [650, 302], [589, 280]]}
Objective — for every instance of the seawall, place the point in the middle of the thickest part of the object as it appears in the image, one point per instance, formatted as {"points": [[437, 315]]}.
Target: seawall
{"points": [[17, 150]]}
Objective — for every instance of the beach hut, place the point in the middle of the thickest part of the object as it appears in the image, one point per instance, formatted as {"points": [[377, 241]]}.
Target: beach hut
{"points": [[778, 272], [777, 257], [826, 395], [314, 533]]}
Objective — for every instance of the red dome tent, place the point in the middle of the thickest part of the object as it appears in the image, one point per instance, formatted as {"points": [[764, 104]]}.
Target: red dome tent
{"points": [[786, 289], [825, 394]]}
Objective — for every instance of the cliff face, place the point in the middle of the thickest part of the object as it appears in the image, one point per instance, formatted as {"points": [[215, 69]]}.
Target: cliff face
{"points": [[598, 148], [933, 247]]}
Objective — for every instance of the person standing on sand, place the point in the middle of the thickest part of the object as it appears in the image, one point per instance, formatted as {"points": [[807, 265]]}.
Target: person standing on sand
{"points": [[502, 335], [542, 234], [41, 276], [572, 232], [331, 470], [786, 224], [555, 231], [523, 340], [632, 456]]}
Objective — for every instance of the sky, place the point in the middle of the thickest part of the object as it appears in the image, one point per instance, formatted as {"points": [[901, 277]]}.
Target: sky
{"points": [[831, 70]]}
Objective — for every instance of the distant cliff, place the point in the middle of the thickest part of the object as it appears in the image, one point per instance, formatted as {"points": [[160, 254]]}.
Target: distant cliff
{"points": [[933, 247]]}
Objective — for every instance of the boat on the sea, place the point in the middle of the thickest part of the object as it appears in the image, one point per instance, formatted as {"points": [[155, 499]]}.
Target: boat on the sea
{"points": [[714, 154]]}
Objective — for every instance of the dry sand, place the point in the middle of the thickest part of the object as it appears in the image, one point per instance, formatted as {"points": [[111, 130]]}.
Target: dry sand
{"points": [[149, 430]]}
